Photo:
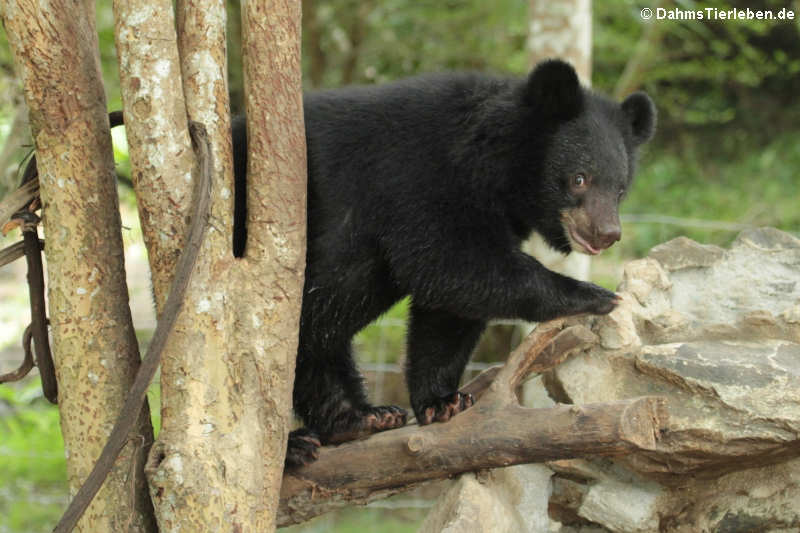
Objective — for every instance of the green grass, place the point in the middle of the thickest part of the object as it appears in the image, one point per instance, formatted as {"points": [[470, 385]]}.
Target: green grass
{"points": [[33, 487], [384, 340]]}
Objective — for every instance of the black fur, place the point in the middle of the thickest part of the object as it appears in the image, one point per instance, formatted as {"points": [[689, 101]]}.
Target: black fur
{"points": [[427, 187]]}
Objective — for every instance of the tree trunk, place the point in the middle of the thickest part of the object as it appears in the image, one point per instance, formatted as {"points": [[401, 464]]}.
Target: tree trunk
{"points": [[227, 370], [561, 30], [202, 44], [94, 347]]}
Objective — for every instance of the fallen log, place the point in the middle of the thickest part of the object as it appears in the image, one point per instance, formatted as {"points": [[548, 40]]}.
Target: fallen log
{"points": [[495, 432]]}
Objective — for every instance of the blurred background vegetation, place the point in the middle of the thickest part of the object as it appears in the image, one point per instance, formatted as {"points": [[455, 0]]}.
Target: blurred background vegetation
{"points": [[726, 156]]}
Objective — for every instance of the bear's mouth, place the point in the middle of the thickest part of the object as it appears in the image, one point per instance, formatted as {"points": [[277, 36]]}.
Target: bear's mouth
{"points": [[578, 243]]}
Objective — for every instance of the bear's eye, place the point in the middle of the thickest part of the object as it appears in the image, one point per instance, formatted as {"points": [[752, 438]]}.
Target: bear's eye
{"points": [[579, 181]]}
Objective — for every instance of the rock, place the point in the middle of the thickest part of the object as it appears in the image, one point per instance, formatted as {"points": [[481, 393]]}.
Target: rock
{"points": [[618, 329], [750, 290], [683, 253], [629, 507], [760, 499], [469, 506], [717, 332], [512, 500]]}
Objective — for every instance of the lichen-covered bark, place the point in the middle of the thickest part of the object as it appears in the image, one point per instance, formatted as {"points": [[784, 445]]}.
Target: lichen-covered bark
{"points": [[156, 126], [201, 40], [94, 346], [562, 30], [227, 371], [277, 209]]}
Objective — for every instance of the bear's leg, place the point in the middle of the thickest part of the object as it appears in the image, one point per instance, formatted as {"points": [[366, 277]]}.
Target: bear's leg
{"points": [[329, 396], [303, 447], [439, 347]]}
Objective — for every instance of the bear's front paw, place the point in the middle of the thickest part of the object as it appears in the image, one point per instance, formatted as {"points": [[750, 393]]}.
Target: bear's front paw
{"points": [[599, 301], [443, 409]]}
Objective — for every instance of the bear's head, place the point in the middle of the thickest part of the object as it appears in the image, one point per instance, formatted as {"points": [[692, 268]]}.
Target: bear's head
{"points": [[579, 158]]}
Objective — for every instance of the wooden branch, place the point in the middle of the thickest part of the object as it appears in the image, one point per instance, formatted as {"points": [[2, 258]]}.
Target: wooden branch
{"points": [[16, 200], [495, 432], [27, 362], [13, 252], [41, 339]]}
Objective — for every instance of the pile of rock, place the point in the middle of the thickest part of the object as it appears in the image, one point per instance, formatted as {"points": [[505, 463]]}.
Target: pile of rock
{"points": [[716, 332]]}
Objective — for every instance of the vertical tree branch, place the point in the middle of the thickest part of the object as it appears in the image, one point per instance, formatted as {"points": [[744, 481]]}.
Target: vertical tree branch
{"points": [[156, 126], [276, 206], [227, 371], [95, 351], [202, 45]]}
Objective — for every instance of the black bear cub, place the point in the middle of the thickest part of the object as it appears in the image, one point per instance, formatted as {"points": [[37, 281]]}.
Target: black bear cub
{"points": [[427, 187]]}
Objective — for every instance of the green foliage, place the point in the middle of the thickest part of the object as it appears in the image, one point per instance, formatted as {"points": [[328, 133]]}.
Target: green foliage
{"points": [[395, 38], [706, 75], [758, 188], [384, 340], [108, 54], [32, 466], [121, 160]]}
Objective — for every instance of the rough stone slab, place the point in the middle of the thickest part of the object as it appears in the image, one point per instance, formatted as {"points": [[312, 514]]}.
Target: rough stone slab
{"points": [[683, 252], [717, 332], [513, 500]]}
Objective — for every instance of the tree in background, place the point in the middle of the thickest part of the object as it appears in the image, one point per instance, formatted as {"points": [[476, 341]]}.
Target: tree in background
{"points": [[563, 30]]}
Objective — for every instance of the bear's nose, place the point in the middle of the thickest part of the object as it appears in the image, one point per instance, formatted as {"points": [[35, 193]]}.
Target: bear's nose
{"points": [[607, 235]]}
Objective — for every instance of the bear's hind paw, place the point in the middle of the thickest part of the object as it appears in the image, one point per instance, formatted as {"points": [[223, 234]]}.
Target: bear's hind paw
{"points": [[303, 448], [367, 421]]}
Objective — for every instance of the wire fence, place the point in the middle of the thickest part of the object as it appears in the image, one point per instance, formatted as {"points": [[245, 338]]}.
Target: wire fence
{"points": [[697, 223]]}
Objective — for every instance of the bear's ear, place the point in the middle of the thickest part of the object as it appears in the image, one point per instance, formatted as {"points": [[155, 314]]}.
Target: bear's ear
{"points": [[641, 114], [553, 90]]}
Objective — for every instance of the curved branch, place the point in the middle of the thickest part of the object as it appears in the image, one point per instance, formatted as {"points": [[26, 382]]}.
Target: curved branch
{"points": [[495, 432]]}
